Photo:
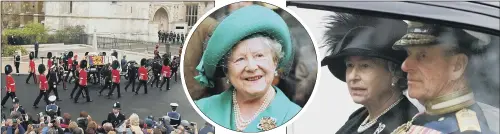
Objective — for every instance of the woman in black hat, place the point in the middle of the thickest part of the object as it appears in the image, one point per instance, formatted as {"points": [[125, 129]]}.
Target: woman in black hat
{"points": [[10, 86], [363, 58]]}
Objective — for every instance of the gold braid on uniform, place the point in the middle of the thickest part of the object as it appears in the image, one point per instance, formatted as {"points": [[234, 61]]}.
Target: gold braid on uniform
{"points": [[416, 39], [450, 102]]}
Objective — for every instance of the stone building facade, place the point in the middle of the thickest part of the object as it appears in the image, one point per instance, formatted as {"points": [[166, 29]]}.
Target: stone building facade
{"points": [[125, 20]]}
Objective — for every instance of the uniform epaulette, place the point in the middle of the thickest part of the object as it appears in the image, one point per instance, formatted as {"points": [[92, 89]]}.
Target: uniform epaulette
{"points": [[467, 120]]}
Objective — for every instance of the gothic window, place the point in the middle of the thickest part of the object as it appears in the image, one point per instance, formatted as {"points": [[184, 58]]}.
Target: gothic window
{"points": [[191, 14]]}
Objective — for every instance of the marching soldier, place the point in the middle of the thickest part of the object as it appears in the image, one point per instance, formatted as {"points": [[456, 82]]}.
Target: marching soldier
{"points": [[31, 69], [182, 38], [17, 62], [177, 37], [52, 109], [44, 86], [175, 66], [73, 67], [156, 73], [437, 60], [132, 75], [143, 77], [115, 78], [77, 83], [83, 82], [106, 71], [70, 66], [160, 37], [52, 78], [165, 37], [49, 59], [165, 72], [10, 86], [175, 117], [16, 107], [116, 117]]}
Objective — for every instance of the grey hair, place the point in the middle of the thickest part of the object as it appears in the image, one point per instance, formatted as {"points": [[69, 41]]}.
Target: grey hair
{"points": [[397, 74], [275, 46]]}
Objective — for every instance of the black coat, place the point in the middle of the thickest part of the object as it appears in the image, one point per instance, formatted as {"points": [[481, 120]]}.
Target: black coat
{"points": [[116, 121], [132, 73], [399, 114]]}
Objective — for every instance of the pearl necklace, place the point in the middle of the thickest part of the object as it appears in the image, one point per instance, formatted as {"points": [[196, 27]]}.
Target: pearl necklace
{"points": [[241, 123], [365, 124]]}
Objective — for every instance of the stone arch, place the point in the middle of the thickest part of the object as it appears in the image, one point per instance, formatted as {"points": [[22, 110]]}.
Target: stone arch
{"points": [[160, 18]]}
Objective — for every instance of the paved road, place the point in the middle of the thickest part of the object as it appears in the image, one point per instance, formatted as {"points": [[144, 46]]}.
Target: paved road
{"points": [[155, 103], [143, 48]]}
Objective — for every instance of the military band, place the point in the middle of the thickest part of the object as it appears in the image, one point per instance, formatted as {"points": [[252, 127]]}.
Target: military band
{"points": [[52, 79]]}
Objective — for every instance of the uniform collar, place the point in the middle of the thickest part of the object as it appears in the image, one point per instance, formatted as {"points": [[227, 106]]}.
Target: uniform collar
{"points": [[450, 102]]}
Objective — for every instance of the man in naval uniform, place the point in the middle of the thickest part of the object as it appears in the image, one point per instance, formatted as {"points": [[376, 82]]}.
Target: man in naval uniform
{"points": [[52, 109], [115, 117], [175, 117], [437, 60]]}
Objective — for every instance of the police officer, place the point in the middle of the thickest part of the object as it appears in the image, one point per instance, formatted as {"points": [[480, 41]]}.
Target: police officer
{"points": [[116, 117], [52, 109], [10, 86], [44, 86], [115, 76], [52, 78], [17, 61], [132, 75], [449, 103], [31, 68], [83, 82], [175, 117], [16, 107], [106, 72], [156, 73], [143, 77]]}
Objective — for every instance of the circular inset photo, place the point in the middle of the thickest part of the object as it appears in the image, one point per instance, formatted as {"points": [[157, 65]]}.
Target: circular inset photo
{"points": [[249, 67]]}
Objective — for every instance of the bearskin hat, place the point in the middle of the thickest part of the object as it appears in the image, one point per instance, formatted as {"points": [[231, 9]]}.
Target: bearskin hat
{"points": [[103, 53], [143, 62], [86, 53], [8, 69], [70, 54], [49, 55], [83, 64], [32, 55], [41, 69], [115, 64], [166, 61]]}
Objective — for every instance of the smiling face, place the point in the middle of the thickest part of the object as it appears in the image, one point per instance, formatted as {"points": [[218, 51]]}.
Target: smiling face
{"points": [[368, 79], [251, 66]]}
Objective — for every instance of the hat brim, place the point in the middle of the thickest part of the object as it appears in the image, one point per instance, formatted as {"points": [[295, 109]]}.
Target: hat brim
{"points": [[336, 62]]}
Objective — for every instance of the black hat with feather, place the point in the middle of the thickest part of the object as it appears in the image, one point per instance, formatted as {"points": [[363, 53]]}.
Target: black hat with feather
{"points": [[143, 62], [83, 64], [357, 35], [49, 55], [32, 55], [8, 69]]}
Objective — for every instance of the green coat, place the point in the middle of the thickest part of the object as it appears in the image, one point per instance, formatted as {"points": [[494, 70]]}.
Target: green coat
{"points": [[219, 108]]}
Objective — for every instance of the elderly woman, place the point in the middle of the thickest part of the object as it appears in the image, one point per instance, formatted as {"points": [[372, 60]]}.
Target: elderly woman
{"points": [[363, 58], [249, 47]]}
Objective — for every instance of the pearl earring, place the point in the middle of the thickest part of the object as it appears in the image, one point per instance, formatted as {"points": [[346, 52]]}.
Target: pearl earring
{"points": [[275, 73]]}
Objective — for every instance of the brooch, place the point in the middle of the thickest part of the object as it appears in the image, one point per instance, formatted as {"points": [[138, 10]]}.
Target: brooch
{"points": [[267, 123]]}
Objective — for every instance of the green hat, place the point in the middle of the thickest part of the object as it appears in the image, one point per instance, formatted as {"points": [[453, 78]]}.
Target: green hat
{"points": [[235, 27]]}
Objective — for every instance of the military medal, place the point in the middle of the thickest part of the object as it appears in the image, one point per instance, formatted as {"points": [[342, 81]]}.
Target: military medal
{"points": [[267, 123]]}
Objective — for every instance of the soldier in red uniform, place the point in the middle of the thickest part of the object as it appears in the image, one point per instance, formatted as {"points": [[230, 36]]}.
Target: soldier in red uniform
{"points": [[44, 86], [143, 77], [70, 66], [115, 79], [166, 73], [83, 82], [49, 61], [10, 86], [31, 69]]}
